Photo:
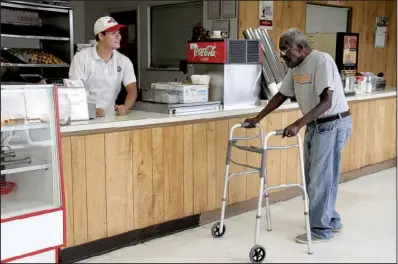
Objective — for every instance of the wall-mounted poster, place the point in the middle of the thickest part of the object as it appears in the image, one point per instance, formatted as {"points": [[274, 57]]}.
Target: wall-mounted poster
{"points": [[266, 9], [350, 50], [213, 9], [381, 31], [228, 9]]}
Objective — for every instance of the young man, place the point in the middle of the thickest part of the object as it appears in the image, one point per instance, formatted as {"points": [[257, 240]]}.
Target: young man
{"points": [[103, 69], [314, 79]]}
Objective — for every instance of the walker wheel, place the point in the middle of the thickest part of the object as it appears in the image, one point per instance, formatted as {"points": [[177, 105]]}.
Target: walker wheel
{"points": [[215, 230], [257, 254]]}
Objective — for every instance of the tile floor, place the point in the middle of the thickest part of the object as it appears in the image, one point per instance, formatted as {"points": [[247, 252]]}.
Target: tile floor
{"points": [[367, 206]]}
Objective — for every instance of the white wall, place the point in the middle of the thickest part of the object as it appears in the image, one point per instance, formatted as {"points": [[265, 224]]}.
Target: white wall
{"points": [[95, 9]]}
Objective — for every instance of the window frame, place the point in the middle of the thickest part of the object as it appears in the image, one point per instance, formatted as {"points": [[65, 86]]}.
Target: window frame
{"points": [[149, 30], [349, 14]]}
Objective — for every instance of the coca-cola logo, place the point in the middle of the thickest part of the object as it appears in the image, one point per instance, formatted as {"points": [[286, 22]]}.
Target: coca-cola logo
{"points": [[208, 51]]}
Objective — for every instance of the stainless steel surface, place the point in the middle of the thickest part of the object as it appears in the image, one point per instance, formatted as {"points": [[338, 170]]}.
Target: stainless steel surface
{"points": [[281, 68], [35, 6], [91, 110], [267, 73], [268, 55], [34, 65], [16, 161], [10, 154], [71, 36], [34, 37], [241, 85], [67, 51], [271, 76], [235, 85], [177, 109]]}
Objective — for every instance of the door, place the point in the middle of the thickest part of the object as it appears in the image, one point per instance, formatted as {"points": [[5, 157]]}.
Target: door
{"points": [[128, 45]]}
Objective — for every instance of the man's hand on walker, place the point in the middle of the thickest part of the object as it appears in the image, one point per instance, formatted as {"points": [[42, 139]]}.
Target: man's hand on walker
{"points": [[252, 122], [291, 130]]}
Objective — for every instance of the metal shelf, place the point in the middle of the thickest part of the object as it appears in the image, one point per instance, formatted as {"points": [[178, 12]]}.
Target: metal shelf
{"points": [[25, 169], [34, 65], [36, 6], [10, 128], [35, 37]]}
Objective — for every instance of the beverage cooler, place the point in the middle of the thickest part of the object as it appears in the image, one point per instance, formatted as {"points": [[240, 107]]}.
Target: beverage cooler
{"points": [[32, 192], [234, 67]]}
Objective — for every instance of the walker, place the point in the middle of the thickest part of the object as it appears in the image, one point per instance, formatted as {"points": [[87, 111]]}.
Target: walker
{"points": [[258, 253]]}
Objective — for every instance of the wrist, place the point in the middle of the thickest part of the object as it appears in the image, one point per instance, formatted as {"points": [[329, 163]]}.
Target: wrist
{"points": [[300, 123]]}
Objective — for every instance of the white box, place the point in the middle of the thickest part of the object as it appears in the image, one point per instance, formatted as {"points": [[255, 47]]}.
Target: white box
{"points": [[187, 93], [195, 93]]}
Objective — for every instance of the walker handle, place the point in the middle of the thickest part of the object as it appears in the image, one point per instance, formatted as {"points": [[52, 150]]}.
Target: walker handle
{"points": [[245, 124], [279, 132]]}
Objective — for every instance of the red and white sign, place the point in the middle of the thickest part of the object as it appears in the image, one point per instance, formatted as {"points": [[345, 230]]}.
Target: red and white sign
{"points": [[207, 52], [266, 14]]}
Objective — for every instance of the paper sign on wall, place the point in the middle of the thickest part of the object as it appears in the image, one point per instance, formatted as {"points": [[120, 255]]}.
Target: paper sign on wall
{"points": [[266, 14], [381, 31]]}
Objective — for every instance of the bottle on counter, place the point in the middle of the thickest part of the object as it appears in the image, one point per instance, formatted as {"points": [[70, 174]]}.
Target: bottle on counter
{"points": [[369, 84], [357, 86]]}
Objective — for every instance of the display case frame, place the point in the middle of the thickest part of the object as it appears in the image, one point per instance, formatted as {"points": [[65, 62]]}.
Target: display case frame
{"points": [[34, 232]]}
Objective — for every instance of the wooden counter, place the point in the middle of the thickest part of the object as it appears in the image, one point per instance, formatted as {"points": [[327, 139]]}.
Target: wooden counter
{"points": [[118, 181]]}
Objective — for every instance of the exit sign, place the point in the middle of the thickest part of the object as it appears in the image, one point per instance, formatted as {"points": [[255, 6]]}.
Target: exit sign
{"points": [[334, 2]]}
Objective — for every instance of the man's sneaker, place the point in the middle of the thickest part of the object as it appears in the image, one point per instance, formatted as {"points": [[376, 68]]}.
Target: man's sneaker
{"points": [[302, 239], [337, 230]]}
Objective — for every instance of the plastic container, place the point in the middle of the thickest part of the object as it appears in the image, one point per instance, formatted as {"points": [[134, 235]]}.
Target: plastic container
{"points": [[64, 109], [165, 96]]}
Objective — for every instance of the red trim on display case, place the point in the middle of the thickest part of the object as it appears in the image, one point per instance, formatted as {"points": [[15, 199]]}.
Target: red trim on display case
{"points": [[42, 212], [31, 254], [61, 167]]}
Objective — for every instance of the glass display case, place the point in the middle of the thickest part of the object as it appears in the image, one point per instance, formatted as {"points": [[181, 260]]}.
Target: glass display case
{"points": [[30, 164]]}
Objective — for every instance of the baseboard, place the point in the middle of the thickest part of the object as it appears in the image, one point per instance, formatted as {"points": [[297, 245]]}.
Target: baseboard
{"points": [[105, 245], [287, 194]]}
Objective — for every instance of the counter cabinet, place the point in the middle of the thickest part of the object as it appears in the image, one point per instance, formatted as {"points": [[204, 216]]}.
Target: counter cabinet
{"points": [[121, 181]]}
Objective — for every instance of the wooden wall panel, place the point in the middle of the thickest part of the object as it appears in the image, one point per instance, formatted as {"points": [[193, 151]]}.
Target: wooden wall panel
{"points": [[173, 163], [211, 166], [96, 187], [200, 167], [78, 161], [117, 182], [68, 187], [188, 171], [289, 14], [157, 175], [142, 178]]}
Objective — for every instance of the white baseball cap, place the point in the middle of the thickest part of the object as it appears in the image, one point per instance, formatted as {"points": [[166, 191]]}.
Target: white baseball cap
{"points": [[107, 24]]}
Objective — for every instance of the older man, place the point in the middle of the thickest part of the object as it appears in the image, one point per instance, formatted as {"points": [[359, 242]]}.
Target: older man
{"points": [[314, 80]]}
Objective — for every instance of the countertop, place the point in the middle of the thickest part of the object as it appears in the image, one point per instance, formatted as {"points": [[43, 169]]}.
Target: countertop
{"points": [[141, 118]]}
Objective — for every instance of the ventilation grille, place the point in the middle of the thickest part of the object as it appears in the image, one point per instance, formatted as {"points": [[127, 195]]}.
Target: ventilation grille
{"points": [[253, 53], [236, 51], [243, 51]]}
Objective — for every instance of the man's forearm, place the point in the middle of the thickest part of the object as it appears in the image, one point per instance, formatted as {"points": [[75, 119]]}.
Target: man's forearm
{"points": [[273, 104], [130, 99]]}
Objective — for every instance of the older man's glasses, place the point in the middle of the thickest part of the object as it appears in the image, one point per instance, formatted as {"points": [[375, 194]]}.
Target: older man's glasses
{"points": [[282, 53]]}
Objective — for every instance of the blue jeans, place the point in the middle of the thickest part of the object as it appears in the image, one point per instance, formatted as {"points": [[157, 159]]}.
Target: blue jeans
{"points": [[323, 145]]}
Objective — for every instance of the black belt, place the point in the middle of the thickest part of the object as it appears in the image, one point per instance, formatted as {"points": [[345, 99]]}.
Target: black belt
{"points": [[331, 118]]}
